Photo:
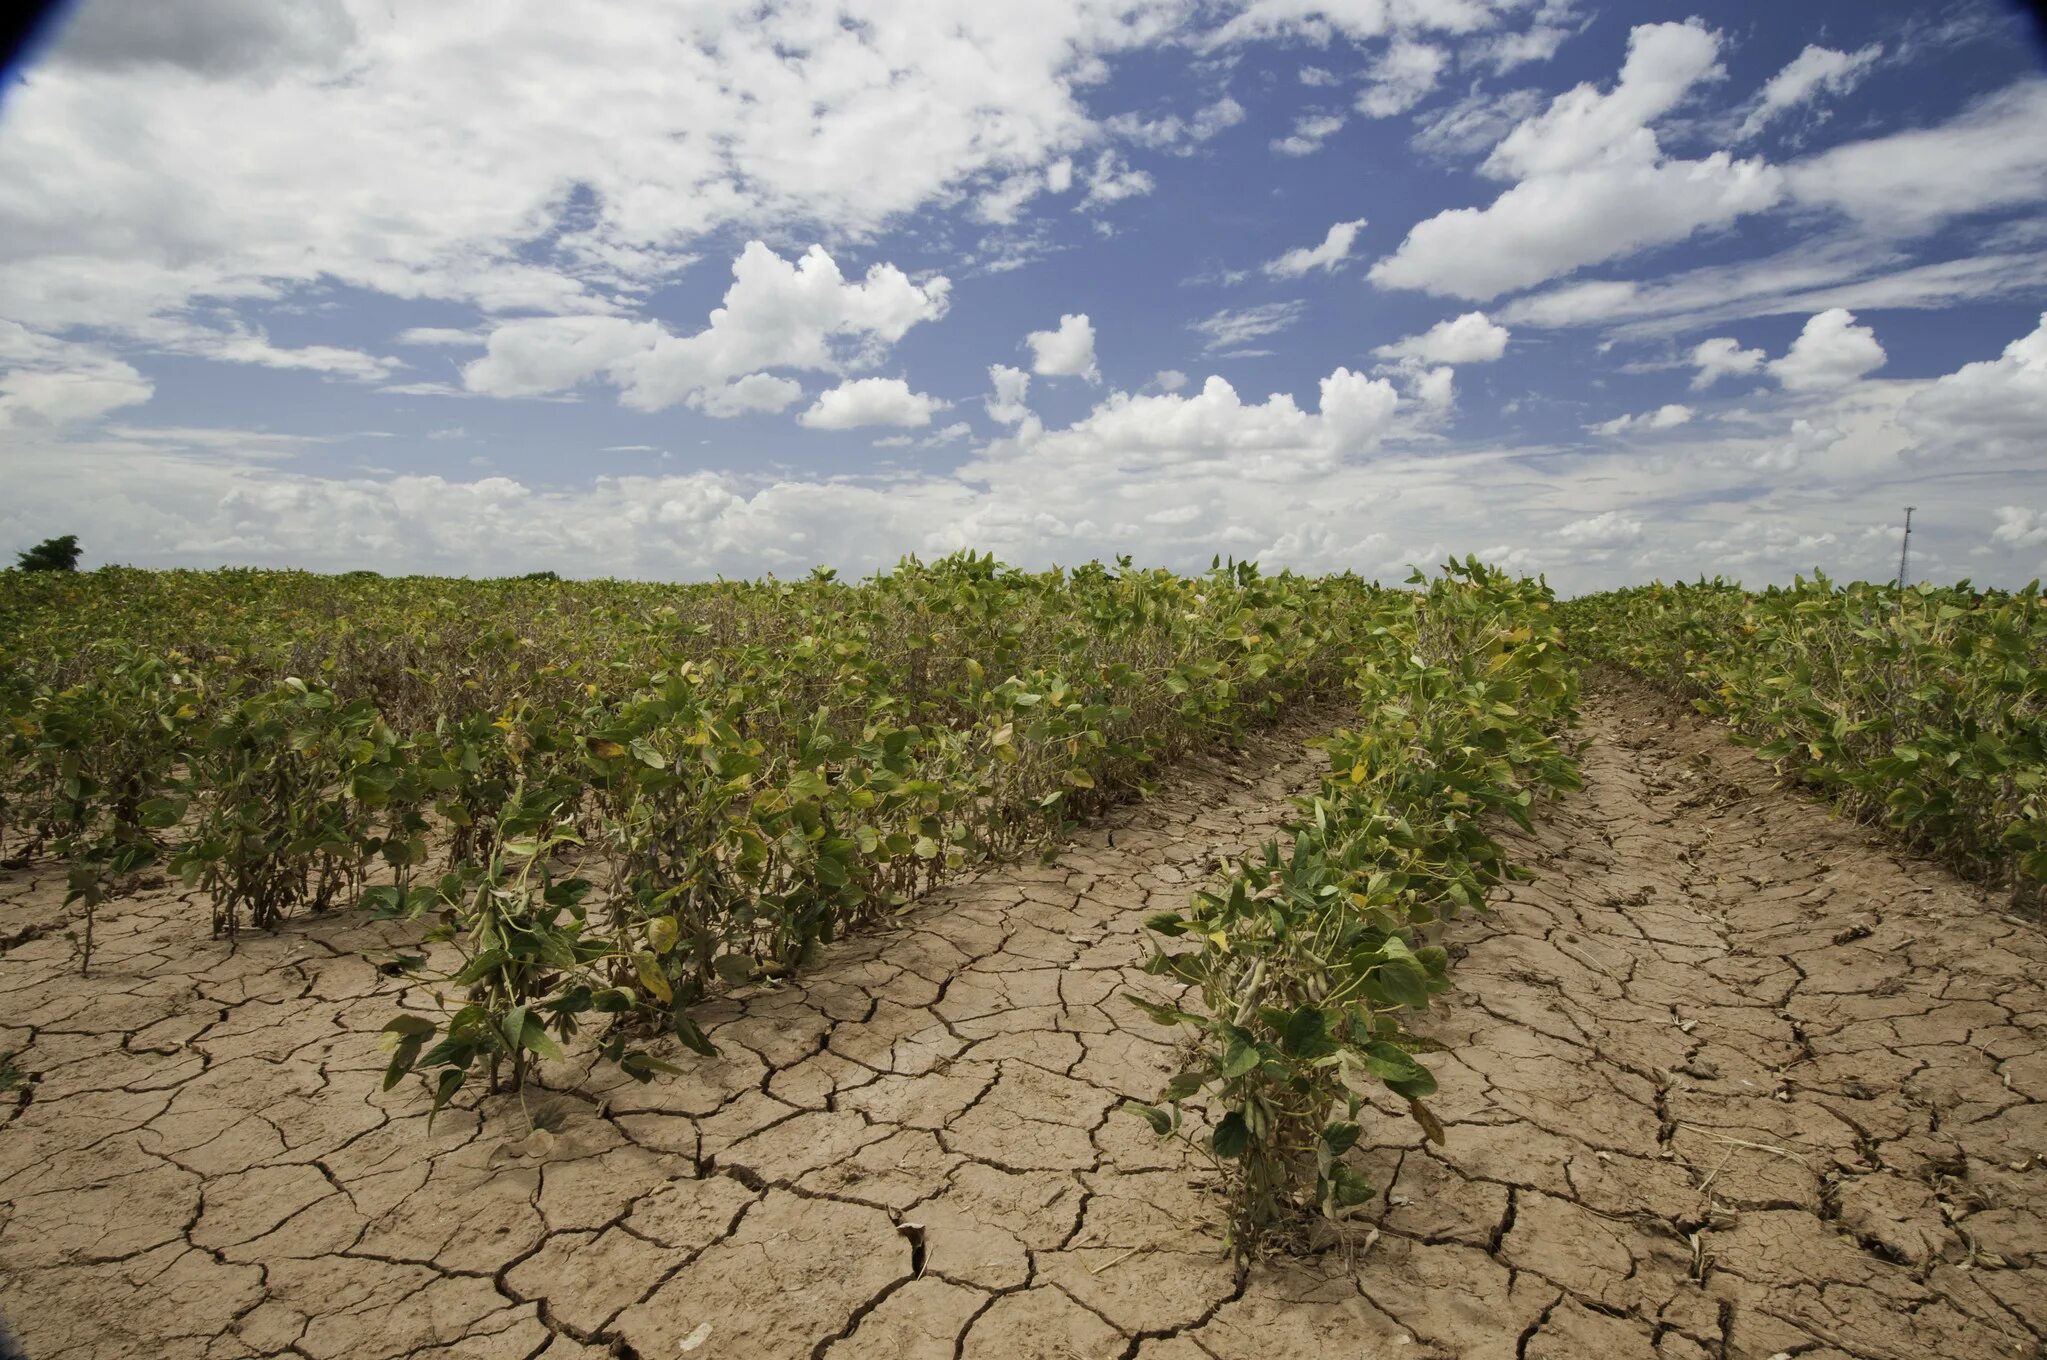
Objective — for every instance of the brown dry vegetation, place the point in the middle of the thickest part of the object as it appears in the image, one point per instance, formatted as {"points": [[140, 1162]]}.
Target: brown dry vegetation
{"points": [[1727, 1080]]}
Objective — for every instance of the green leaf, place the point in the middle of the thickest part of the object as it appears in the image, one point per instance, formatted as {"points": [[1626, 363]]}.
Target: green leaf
{"points": [[1241, 1054], [1161, 1122], [692, 1037], [1231, 1137]]}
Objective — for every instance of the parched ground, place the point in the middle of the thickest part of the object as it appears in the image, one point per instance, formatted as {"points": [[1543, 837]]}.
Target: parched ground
{"points": [[1726, 1081]]}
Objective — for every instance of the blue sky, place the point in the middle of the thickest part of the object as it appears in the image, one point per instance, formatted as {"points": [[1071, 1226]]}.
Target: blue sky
{"points": [[1608, 292]]}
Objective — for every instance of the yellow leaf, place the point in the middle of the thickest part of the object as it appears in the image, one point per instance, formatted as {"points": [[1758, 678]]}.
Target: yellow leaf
{"points": [[606, 750], [652, 979]]}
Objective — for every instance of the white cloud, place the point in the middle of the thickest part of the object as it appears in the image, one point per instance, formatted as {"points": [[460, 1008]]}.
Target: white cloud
{"points": [[1310, 131], [51, 382], [1472, 338], [1473, 124], [1554, 22], [869, 401], [1848, 271], [1233, 328], [1667, 417], [1609, 528], [1989, 156], [1814, 72], [1067, 352], [1593, 183], [1554, 224], [1995, 407], [1174, 133], [1012, 388], [1434, 387], [1402, 77], [2020, 527], [59, 396], [1168, 433], [1582, 125], [1722, 357], [1317, 76], [1318, 21], [1170, 379], [1112, 181], [1832, 351], [777, 314], [152, 159], [954, 433], [241, 344], [441, 335], [207, 37], [1333, 251], [754, 392], [1805, 441]]}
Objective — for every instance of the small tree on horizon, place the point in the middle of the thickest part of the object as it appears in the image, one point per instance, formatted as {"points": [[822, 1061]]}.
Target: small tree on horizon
{"points": [[52, 554]]}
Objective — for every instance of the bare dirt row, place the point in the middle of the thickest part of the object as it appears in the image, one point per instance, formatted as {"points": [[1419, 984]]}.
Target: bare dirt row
{"points": [[1726, 1081]]}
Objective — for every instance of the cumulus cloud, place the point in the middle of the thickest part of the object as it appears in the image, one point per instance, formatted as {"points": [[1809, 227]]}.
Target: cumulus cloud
{"points": [[869, 401], [1472, 338], [1174, 133], [1333, 251], [1310, 131], [777, 314], [1989, 408], [1137, 434], [1012, 388], [52, 382], [754, 392], [1832, 351], [1401, 77], [1169, 379], [118, 205], [1722, 357], [1593, 183], [1111, 180], [2020, 527], [1068, 352], [1812, 73], [1667, 417], [1608, 529], [1554, 22]]}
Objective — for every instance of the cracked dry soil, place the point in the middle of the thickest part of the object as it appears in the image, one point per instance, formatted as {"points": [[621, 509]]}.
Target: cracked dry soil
{"points": [[1727, 1080]]}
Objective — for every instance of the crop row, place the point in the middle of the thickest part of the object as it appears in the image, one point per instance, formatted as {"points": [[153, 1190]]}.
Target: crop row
{"points": [[1312, 954], [1923, 708], [610, 799]]}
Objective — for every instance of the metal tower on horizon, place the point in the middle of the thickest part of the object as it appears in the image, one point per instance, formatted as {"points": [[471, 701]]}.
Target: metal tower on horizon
{"points": [[1905, 547]]}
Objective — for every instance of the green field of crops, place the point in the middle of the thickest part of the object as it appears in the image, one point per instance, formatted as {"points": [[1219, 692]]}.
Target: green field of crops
{"points": [[605, 802], [1923, 709]]}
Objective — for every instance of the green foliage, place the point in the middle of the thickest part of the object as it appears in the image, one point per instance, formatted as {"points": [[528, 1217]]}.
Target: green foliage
{"points": [[90, 770], [746, 770], [292, 780], [1923, 708], [52, 554], [1307, 958]]}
